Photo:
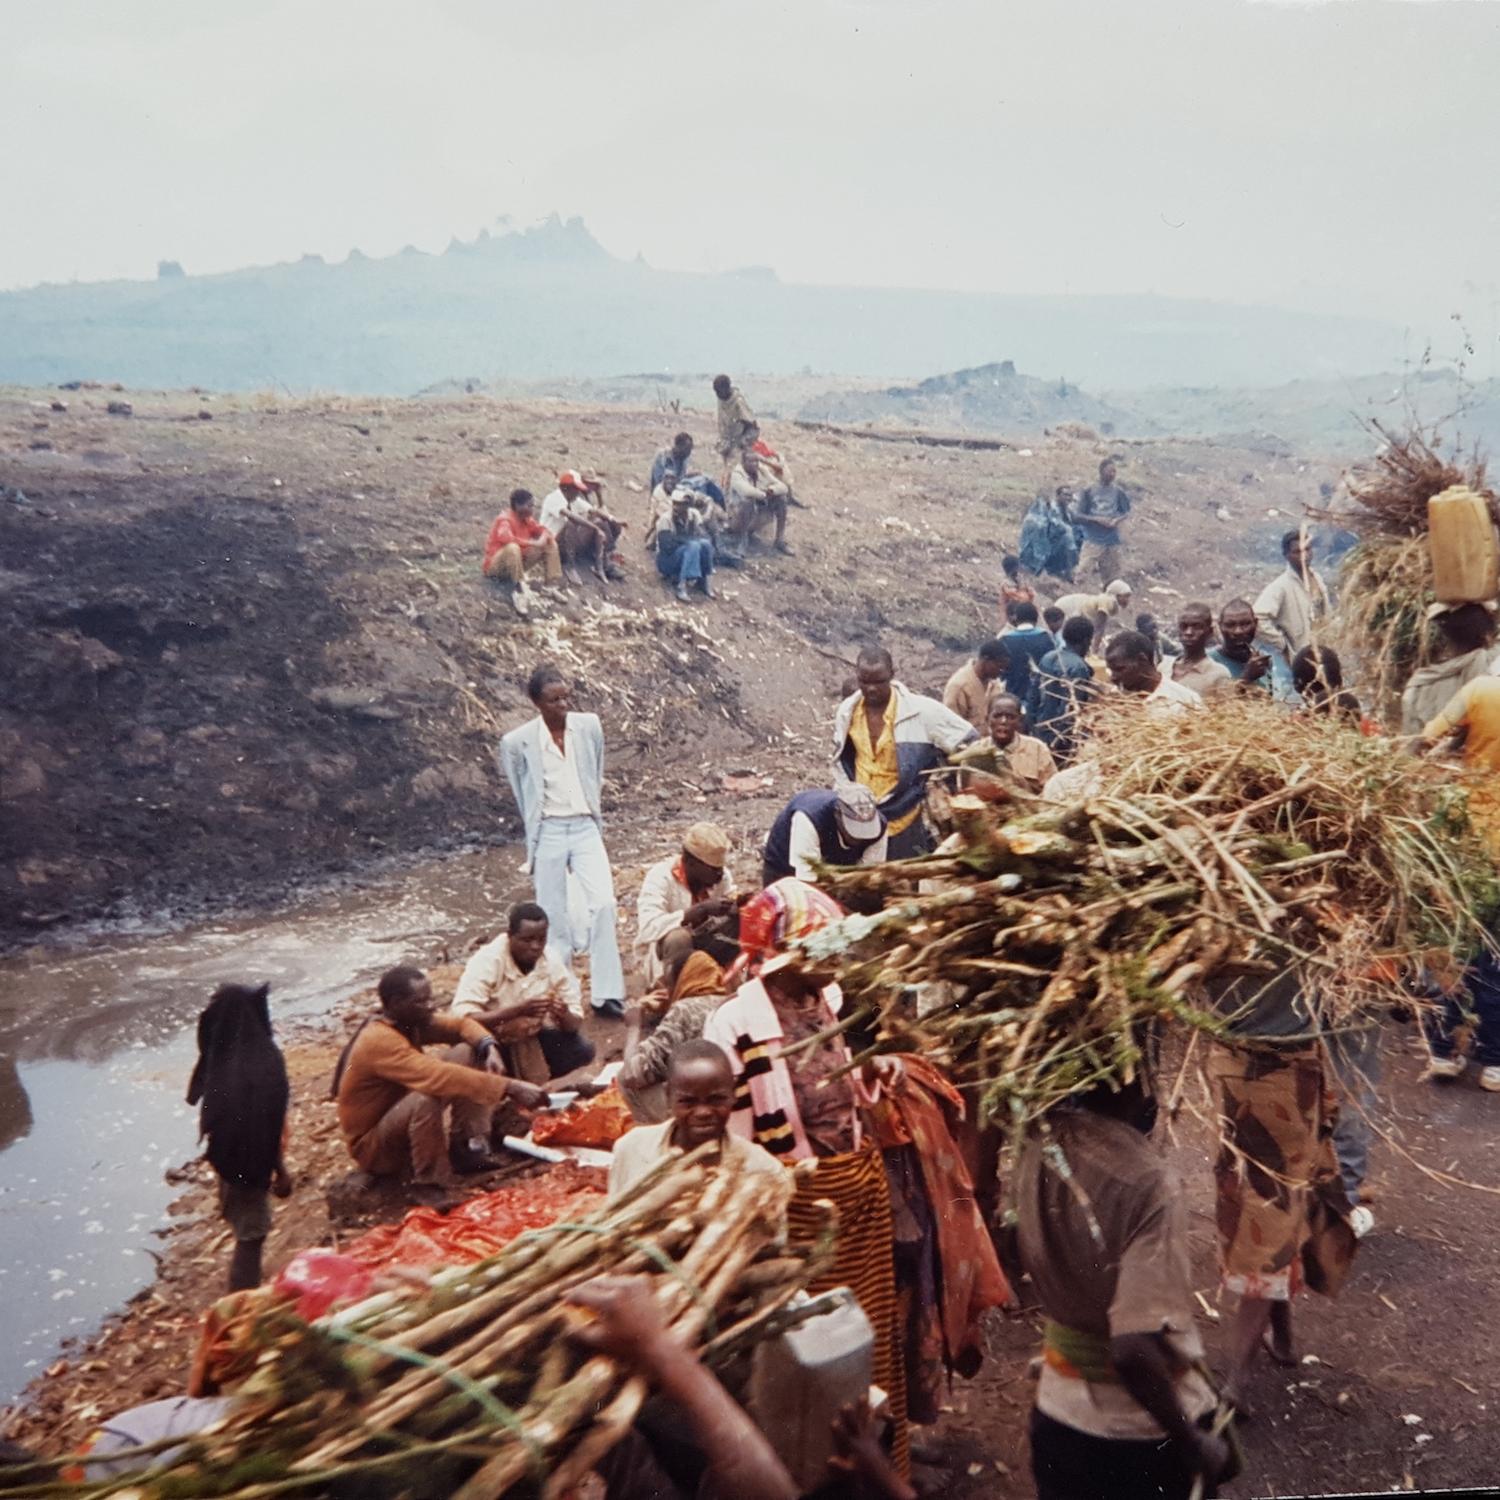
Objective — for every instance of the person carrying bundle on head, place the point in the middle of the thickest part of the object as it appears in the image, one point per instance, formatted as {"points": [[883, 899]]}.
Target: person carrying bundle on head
{"points": [[1284, 1218], [801, 1104], [240, 1085]]}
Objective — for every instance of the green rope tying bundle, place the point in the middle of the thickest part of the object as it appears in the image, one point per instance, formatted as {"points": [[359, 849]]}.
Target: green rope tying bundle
{"points": [[496, 1410]]}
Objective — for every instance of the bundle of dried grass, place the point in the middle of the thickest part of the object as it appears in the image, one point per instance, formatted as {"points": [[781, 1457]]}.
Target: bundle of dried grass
{"points": [[1385, 583], [1235, 842], [1391, 490]]}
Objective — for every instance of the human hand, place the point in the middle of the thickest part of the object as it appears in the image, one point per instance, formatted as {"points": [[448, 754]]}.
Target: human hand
{"points": [[627, 1323], [281, 1182], [857, 1451], [526, 1095], [1257, 667]]}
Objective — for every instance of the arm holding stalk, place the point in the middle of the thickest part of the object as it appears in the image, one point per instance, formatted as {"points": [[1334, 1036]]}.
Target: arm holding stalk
{"points": [[628, 1326]]}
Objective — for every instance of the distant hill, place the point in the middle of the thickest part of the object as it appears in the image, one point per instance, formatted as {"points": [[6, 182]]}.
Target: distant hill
{"points": [[993, 397], [550, 302]]}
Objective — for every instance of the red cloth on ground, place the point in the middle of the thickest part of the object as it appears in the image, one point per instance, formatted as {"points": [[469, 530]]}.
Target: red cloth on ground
{"points": [[484, 1225]]}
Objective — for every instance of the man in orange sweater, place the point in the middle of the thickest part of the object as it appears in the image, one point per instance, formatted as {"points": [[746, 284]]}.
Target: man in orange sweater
{"points": [[517, 543], [392, 1097]]}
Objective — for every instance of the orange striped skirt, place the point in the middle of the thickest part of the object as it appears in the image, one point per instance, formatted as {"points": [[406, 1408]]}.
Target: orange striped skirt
{"points": [[855, 1183]]}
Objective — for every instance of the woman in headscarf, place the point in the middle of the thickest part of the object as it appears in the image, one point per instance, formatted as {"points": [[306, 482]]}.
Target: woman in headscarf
{"points": [[241, 1084], [795, 1097]]}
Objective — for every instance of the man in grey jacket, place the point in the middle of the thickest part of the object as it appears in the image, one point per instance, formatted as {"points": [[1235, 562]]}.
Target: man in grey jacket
{"points": [[555, 767]]}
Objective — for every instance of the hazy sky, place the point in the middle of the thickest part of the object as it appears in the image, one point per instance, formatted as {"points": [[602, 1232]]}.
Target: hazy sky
{"points": [[1338, 155]]}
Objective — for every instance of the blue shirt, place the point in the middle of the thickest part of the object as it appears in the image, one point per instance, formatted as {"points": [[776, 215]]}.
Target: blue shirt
{"points": [[1236, 669]]}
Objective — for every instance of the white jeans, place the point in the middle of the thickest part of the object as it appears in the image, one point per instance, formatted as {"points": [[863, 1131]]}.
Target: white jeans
{"points": [[575, 846]]}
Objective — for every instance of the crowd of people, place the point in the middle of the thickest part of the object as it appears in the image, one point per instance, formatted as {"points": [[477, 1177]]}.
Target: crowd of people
{"points": [[737, 1039], [695, 524]]}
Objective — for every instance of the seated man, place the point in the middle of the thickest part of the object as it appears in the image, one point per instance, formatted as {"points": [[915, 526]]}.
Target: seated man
{"points": [[518, 543], [677, 461], [705, 518], [1007, 753], [584, 529], [687, 905], [842, 826], [756, 497], [701, 1089], [526, 999], [392, 1098], [697, 992], [684, 548]]}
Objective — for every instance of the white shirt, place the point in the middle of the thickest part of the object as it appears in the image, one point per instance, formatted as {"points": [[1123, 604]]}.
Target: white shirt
{"points": [[638, 1150], [659, 908], [1172, 695], [562, 791], [556, 509], [1289, 607], [803, 848], [492, 978]]}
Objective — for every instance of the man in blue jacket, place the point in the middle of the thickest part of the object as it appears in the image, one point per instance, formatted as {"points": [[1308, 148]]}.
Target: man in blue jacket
{"points": [[555, 767]]}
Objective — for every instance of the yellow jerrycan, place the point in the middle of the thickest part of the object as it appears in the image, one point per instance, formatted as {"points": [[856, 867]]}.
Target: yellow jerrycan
{"points": [[1465, 552]]}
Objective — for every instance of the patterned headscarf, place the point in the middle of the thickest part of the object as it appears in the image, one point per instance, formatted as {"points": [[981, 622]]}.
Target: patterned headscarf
{"points": [[786, 911]]}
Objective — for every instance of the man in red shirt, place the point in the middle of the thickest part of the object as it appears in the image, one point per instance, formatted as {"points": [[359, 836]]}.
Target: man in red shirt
{"points": [[518, 542]]}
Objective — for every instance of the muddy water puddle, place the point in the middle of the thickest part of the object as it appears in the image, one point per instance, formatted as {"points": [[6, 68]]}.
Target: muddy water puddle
{"points": [[96, 1044]]}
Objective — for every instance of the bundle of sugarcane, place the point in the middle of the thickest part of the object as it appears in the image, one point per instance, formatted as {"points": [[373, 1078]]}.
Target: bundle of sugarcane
{"points": [[1385, 582], [475, 1389], [1033, 950]]}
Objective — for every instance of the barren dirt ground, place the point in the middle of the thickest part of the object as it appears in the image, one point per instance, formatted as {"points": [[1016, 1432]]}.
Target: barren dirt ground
{"points": [[245, 650], [254, 647]]}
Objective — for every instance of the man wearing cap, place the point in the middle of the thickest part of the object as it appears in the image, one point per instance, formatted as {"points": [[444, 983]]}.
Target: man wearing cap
{"points": [[1099, 514], [756, 497], [1099, 609], [575, 516], [833, 827], [687, 904]]}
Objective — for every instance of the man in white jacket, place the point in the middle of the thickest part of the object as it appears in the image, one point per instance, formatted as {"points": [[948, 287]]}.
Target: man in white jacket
{"points": [[555, 766], [1289, 608], [886, 738]]}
